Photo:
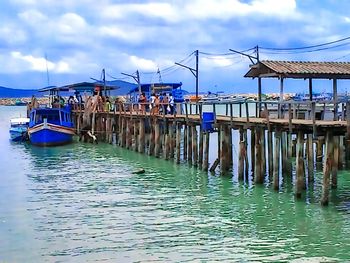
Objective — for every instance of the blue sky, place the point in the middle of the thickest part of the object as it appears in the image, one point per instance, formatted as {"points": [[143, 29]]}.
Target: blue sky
{"points": [[81, 37]]}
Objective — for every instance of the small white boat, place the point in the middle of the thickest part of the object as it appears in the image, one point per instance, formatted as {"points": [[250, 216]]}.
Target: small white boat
{"points": [[18, 129]]}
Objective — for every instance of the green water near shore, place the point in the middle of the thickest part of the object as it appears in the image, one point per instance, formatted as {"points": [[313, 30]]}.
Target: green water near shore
{"points": [[81, 202]]}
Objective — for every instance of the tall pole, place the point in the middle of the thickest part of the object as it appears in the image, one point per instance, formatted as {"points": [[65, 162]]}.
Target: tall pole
{"points": [[138, 81], [104, 81], [197, 75]]}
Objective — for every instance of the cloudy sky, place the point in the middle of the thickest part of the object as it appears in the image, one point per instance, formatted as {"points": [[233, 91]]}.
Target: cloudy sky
{"points": [[81, 37]]}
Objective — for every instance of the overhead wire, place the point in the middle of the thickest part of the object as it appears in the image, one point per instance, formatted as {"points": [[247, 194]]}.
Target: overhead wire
{"points": [[307, 47]]}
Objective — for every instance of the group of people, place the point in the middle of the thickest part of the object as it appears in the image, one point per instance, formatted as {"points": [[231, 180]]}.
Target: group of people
{"points": [[158, 103]]}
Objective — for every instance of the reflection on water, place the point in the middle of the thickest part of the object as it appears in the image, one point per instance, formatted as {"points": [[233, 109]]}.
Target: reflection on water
{"points": [[81, 202]]}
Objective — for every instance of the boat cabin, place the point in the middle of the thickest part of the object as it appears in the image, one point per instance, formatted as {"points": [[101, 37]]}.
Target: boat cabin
{"points": [[58, 116]]}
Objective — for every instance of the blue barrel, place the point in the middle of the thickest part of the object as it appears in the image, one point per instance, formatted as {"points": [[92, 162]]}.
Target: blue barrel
{"points": [[208, 121]]}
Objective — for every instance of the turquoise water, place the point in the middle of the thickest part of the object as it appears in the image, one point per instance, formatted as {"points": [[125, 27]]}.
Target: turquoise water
{"points": [[81, 203]]}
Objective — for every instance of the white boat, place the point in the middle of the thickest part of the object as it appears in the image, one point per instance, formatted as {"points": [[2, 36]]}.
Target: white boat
{"points": [[18, 129]]}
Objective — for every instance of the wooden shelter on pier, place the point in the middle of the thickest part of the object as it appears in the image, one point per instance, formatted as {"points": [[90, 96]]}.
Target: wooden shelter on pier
{"points": [[299, 70]]}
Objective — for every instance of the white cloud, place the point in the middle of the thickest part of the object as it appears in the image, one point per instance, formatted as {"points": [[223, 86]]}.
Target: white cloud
{"points": [[39, 63], [71, 23], [32, 17], [157, 10], [12, 34], [132, 36], [142, 63], [227, 9]]}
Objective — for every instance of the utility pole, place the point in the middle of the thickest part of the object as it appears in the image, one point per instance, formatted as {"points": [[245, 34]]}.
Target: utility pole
{"points": [[195, 74], [104, 81], [137, 79]]}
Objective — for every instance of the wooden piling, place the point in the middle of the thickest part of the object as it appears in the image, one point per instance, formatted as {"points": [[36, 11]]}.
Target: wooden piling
{"points": [[276, 160], [299, 185], [270, 153], [141, 138], [241, 155], [335, 162], [327, 168], [258, 173], [310, 158], [205, 163], [178, 142], [189, 145], [319, 150], [195, 145], [157, 143]]}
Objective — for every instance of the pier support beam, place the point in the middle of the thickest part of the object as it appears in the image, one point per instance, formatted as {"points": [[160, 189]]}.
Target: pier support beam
{"points": [[335, 162], [270, 153], [142, 136], [300, 177], [241, 155], [258, 171], [327, 168], [276, 160], [178, 142], [206, 151], [310, 158]]}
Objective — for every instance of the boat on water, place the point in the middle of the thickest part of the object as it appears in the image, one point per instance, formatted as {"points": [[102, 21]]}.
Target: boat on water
{"points": [[18, 129], [51, 125]]}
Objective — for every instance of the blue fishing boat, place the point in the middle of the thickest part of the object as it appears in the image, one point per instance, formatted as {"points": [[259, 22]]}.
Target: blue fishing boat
{"points": [[18, 129], [52, 124]]}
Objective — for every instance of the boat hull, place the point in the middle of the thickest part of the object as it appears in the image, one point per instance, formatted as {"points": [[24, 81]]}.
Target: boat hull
{"points": [[18, 135], [47, 134]]}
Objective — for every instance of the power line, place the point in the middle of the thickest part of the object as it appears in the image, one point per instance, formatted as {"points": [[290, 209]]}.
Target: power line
{"points": [[307, 47], [304, 51]]}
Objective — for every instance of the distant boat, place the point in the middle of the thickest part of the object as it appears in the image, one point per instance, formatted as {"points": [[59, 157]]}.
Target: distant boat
{"points": [[19, 102], [18, 129]]}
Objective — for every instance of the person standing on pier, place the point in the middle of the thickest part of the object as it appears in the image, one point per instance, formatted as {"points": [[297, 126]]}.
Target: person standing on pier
{"points": [[142, 101]]}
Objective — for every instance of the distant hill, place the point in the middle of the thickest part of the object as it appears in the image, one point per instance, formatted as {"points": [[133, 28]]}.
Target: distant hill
{"points": [[18, 93]]}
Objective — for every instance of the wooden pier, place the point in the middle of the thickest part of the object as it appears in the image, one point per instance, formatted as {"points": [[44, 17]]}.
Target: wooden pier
{"points": [[266, 138]]}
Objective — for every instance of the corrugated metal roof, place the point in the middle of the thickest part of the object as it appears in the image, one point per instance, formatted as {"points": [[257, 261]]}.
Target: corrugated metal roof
{"points": [[300, 69], [306, 67]]}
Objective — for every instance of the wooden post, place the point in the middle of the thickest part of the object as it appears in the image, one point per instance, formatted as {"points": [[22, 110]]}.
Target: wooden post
{"points": [[310, 158], [185, 140], [241, 155], [189, 145], [252, 148], [142, 136], [335, 99], [206, 152], [284, 153], [178, 142], [327, 168], [157, 138], [347, 135], [276, 160], [270, 153], [224, 156], [319, 150], [335, 162], [172, 139], [263, 152], [300, 165], [201, 141], [195, 145], [135, 130], [258, 173]]}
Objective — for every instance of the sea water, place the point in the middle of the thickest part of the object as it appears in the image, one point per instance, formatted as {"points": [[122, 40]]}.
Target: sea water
{"points": [[82, 203]]}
